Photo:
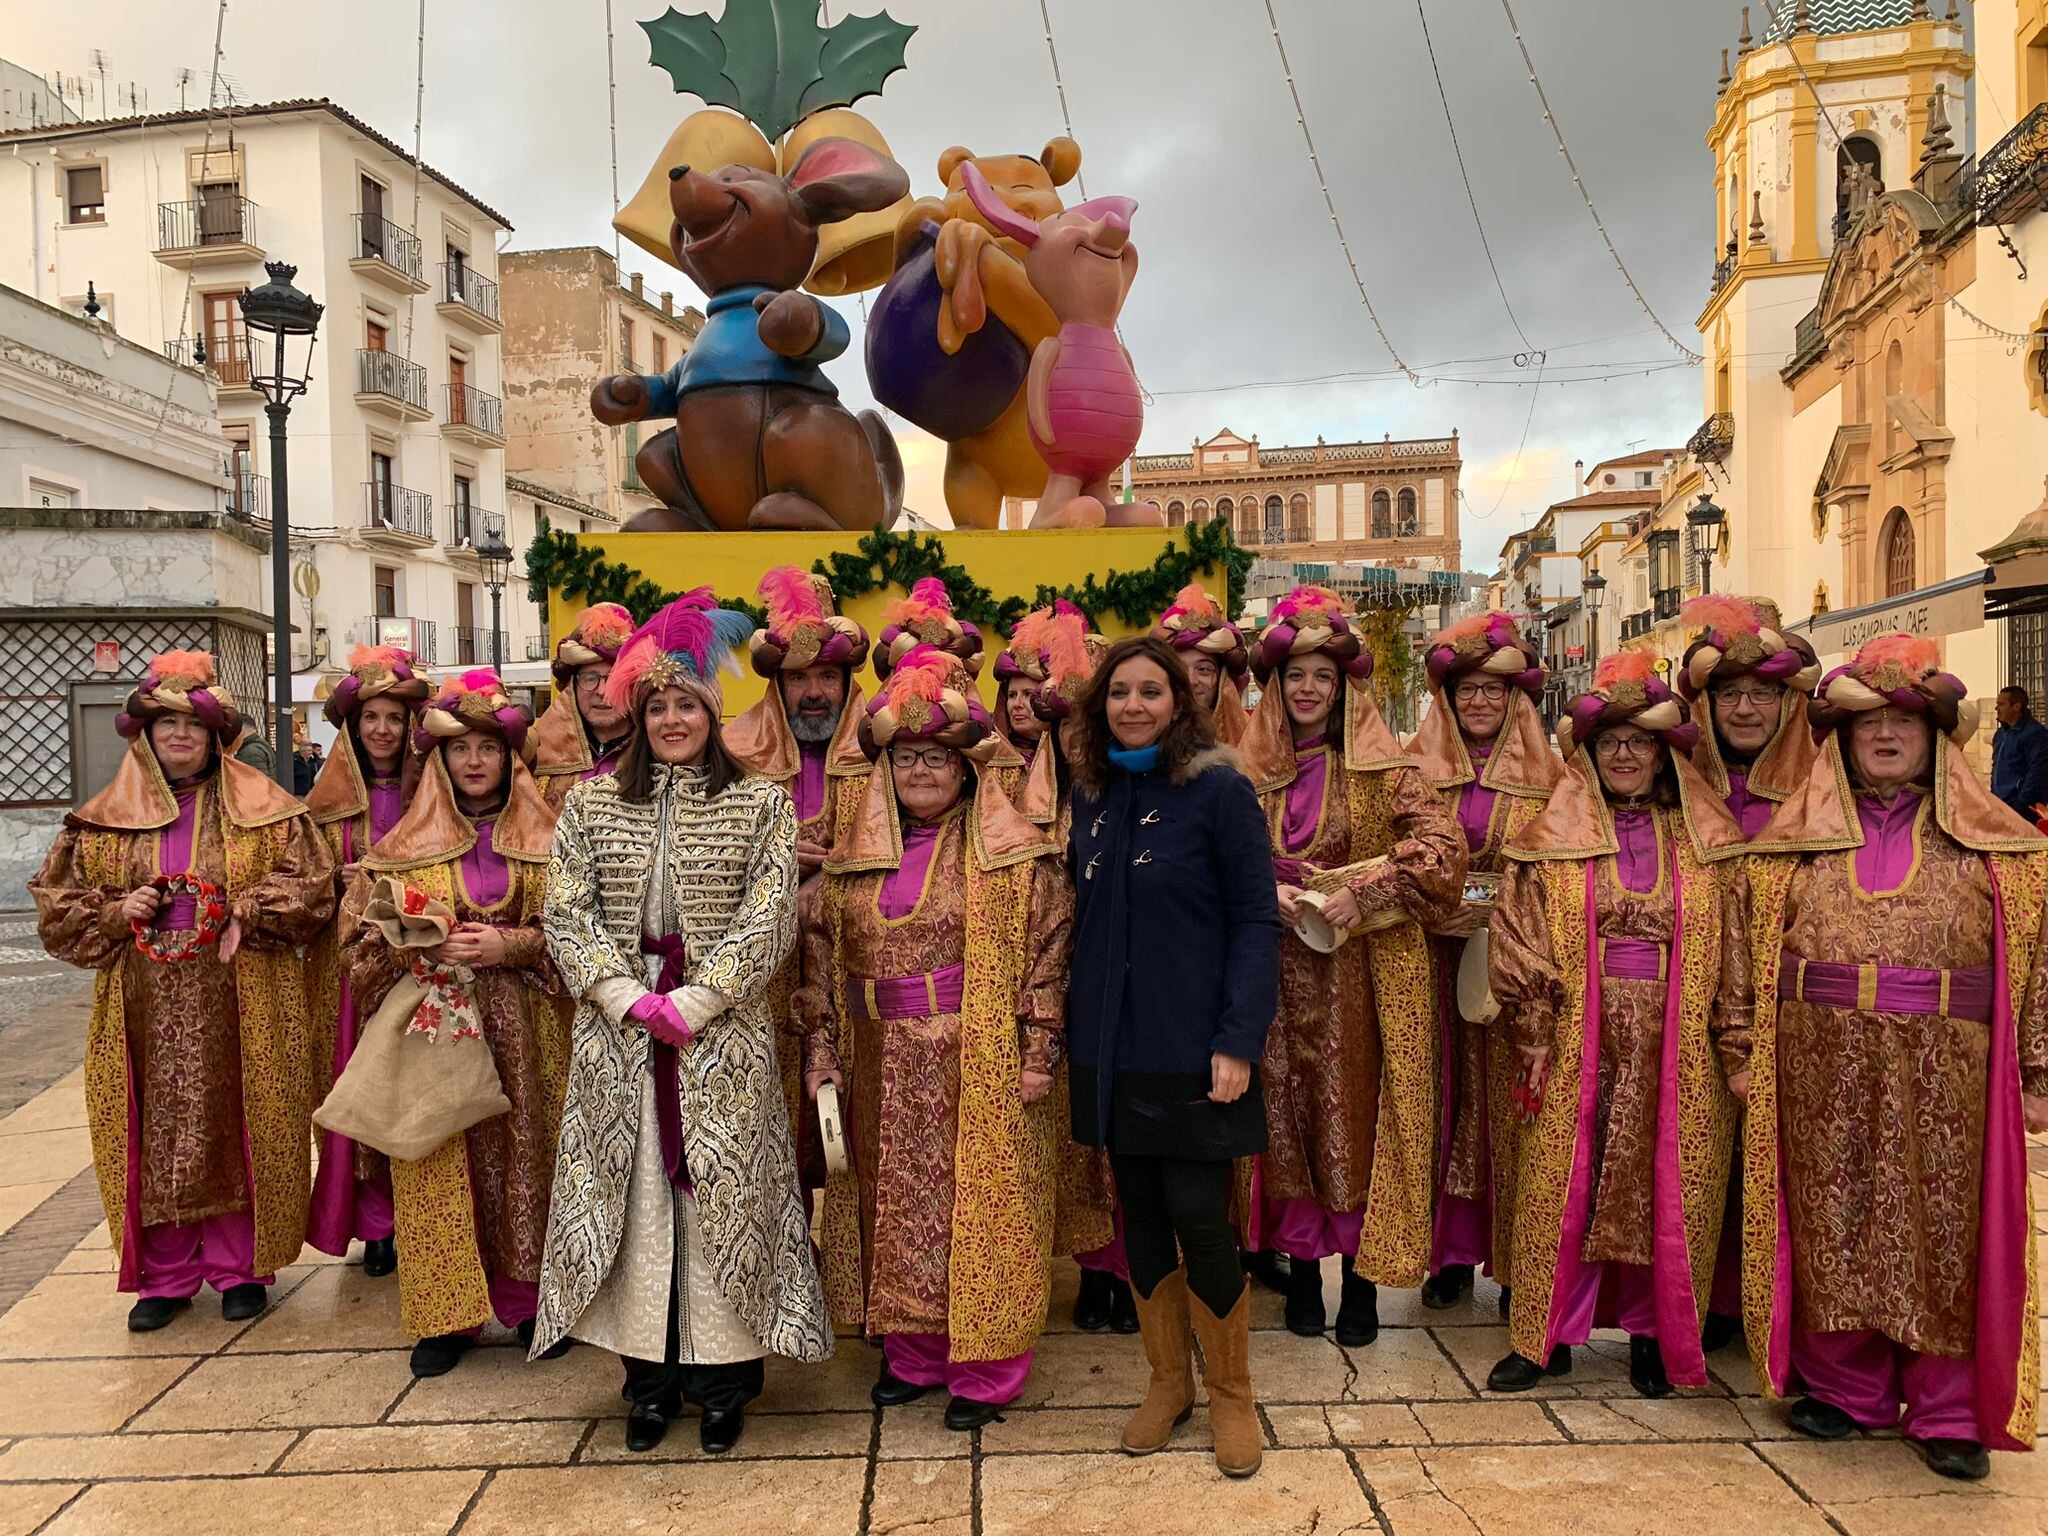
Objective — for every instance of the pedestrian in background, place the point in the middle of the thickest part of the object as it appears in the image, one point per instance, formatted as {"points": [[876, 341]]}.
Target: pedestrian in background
{"points": [[2019, 754]]}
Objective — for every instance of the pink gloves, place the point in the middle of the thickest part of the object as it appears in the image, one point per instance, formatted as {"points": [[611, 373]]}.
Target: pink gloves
{"points": [[662, 1019]]}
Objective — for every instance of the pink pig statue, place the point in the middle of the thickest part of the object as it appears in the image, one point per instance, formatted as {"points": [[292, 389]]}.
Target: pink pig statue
{"points": [[1082, 395]]}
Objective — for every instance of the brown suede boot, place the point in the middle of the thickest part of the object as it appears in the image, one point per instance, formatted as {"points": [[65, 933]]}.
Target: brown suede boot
{"points": [[1226, 1369], [1170, 1397]]}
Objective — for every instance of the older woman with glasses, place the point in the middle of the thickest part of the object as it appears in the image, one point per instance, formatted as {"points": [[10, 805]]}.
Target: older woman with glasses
{"points": [[1482, 741], [1887, 1024], [1606, 946]]}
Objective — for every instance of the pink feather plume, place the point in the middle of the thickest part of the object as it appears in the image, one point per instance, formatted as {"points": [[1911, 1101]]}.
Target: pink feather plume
{"points": [[604, 624], [1916, 655], [920, 675], [1308, 600], [1194, 602], [928, 599], [1466, 628], [1066, 646], [791, 597], [387, 656]]}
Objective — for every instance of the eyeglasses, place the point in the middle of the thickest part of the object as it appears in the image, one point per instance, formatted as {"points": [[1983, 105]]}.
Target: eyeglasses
{"points": [[1631, 746], [934, 759], [592, 682], [1735, 697], [1492, 692]]}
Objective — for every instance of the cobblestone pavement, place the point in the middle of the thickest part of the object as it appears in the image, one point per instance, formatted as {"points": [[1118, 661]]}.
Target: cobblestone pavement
{"points": [[307, 1419]]}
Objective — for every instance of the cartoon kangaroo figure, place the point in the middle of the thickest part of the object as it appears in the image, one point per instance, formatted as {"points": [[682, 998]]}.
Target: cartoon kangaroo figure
{"points": [[1082, 394], [761, 440]]}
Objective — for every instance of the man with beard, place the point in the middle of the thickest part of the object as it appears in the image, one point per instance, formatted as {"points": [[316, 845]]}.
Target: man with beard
{"points": [[582, 732], [801, 734]]}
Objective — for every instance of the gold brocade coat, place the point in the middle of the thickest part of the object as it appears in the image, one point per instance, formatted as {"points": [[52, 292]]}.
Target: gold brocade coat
{"points": [[164, 1040]]}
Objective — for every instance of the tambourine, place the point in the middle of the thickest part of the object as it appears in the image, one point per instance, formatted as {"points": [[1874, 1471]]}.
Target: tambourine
{"points": [[831, 1132], [1476, 1001], [1316, 931], [210, 912]]}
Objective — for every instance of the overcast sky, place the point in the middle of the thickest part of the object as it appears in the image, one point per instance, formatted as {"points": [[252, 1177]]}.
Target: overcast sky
{"points": [[1181, 104]]}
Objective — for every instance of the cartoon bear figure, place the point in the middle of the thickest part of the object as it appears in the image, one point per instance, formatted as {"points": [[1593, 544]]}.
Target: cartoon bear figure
{"points": [[950, 337]]}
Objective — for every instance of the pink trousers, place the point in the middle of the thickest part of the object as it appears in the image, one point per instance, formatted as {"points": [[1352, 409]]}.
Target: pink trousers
{"points": [[1110, 1257], [1302, 1229], [344, 1207], [512, 1301], [220, 1251], [1462, 1234], [1622, 1296], [925, 1360], [1868, 1377]]}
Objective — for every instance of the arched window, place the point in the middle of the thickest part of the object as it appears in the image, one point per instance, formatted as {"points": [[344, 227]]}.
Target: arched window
{"points": [[1298, 526], [1894, 384], [1405, 525], [1176, 513], [1382, 515], [1248, 520], [1895, 550], [1226, 511], [1199, 513], [1276, 518], [1855, 151]]}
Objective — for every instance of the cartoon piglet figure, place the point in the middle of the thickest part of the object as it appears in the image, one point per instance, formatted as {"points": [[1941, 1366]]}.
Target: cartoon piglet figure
{"points": [[1082, 394]]}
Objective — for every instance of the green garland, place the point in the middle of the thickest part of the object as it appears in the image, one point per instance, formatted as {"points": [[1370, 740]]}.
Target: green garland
{"points": [[558, 561]]}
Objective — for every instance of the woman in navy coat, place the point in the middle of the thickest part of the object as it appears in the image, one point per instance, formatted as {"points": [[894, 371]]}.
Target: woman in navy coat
{"points": [[1175, 978]]}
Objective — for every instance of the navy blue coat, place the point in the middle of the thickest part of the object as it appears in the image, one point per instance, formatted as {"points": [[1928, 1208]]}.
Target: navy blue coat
{"points": [[2019, 765], [1176, 955]]}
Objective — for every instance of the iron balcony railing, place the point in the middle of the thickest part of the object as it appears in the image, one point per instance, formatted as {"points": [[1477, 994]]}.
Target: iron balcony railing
{"points": [[225, 357], [471, 407], [2012, 176], [1808, 342], [381, 240], [1664, 603], [1715, 437], [220, 219], [420, 636], [249, 497], [395, 509], [388, 374], [461, 285], [1724, 269], [539, 648], [473, 646], [471, 526]]}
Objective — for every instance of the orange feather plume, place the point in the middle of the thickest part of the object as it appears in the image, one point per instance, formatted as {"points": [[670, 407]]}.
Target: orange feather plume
{"points": [[1916, 655], [605, 624], [1723, 613], [385, 656], [1066, 647], [1194, 602], [927, 599], [922, 674], [1467, 628], [1631, 666], [194, 668]]}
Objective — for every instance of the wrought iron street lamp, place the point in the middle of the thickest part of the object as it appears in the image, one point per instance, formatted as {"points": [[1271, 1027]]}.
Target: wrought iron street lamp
{"points": [[495, 556], [1594, 589], [289, 318], [1707, 523]]}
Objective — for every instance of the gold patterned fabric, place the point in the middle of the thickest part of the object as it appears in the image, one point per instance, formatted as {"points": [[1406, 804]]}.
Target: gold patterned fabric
{"points": [[944, 1224], [183, 1059], [1351, 1069]]}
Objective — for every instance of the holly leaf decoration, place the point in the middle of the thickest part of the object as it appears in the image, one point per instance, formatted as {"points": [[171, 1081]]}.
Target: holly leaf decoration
{"points": [[860, 53], [771, 62]]}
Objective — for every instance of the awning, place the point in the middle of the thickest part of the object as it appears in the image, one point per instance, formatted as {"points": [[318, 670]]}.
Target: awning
{"points": [[1950, 607]]}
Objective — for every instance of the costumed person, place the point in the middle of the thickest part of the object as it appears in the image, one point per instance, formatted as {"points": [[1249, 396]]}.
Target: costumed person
{"points": [[1350, 1071], [1213, 651], [360, 795], [679, 1237], [1607, 944], [1887, 1024], [580, 734], [1751, 681], [188, 883], [472, 1215], [1483, 742], [943, 938], [802, 734], [1175, 978]]}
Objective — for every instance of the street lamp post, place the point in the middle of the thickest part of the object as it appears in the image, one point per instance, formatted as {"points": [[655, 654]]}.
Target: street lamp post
{"points": [[495, 556], [1707, 522], [1594, 588], [278, 310]]}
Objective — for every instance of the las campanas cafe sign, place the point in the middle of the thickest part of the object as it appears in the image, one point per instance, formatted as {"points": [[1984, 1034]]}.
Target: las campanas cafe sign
{"points": [[1947, 608]]}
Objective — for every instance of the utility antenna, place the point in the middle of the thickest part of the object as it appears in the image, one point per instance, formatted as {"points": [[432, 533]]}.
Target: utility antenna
{"points": [[99, 66], [182, 78]]}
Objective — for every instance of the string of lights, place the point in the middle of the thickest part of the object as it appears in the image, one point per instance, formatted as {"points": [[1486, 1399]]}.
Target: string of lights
{"points": [[1579, 181]]}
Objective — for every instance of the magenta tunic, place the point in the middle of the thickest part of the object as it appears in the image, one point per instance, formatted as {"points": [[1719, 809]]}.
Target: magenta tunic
{"points": [[1750, 811], [604, 759], [1475, 800], [484, 873], [903, 885], [174, 857], [1304, 809], [1887, 852], [808, 790], [1093, 402]]}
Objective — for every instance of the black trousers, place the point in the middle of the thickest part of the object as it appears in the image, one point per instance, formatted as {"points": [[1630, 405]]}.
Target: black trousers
{"points": [[1177, 1212], [665, 1385]]}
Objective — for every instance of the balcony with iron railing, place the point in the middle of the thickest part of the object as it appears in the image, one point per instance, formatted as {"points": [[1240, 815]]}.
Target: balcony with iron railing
{"points": [[394, 513], [1635, 625], [226, 358], [1808, 341], [473, 416], [390, 385], [419, 636], [467, 299], [249, 497], [1724, 272], [2012, 176], [473, 646], [204, 231], [1715, 438], [470, 527], [388, 255], [1664, 603], [539, 647]]}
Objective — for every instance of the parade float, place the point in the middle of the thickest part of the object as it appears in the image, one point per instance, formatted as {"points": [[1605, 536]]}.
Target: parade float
{"points": [[991, 322]]}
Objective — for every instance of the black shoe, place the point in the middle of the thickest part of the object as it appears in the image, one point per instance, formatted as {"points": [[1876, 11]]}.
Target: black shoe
{"points": [[1507, 1300], [891, 1391], [554, 1351], [1091, 1302], [720, 1430], [1963, 1459], [646, 1427], [1265, 1267], [239, 1303], [1305, 1314], [1646, 1367], [1447, 1287], [1822, 1421], [1358, 1314], [380, 1257], [152, 1312], [1123, 1307], [1518, 1373], [1718, 1332], [964, 1413], [437, 1356]]}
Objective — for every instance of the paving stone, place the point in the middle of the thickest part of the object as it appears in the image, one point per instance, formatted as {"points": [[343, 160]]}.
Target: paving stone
{"points": [[59, 1107], [23, 1508], [768, 1437], [282, 1391], [383, 1447], [1844, 1474], [18, 1200], [731, 1498], [86, 1458], [44, 1157], [1173, 1493], [71, 1316], [499, 1382], [927, 1498], [80, 1397], [1486, 1423], [391, 1504], [336, 1307]]}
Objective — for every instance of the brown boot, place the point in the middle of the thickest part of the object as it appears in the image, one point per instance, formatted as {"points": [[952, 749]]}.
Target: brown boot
{"points": [[1170, 1397], [1226, 1369]]}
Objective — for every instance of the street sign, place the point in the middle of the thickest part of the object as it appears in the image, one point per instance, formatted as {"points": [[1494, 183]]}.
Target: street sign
{"points": [[1575, 652]]}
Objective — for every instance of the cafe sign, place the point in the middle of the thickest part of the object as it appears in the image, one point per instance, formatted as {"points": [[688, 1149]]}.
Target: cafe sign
{"points": [[1928, 613]]}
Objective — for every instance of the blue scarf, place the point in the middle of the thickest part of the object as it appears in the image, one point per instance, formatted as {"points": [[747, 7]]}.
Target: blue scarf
{"points": [[1135, 759]]}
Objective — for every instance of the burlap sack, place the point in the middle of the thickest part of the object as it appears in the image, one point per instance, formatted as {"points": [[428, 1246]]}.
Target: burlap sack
{"points": [[421, 1071]]}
